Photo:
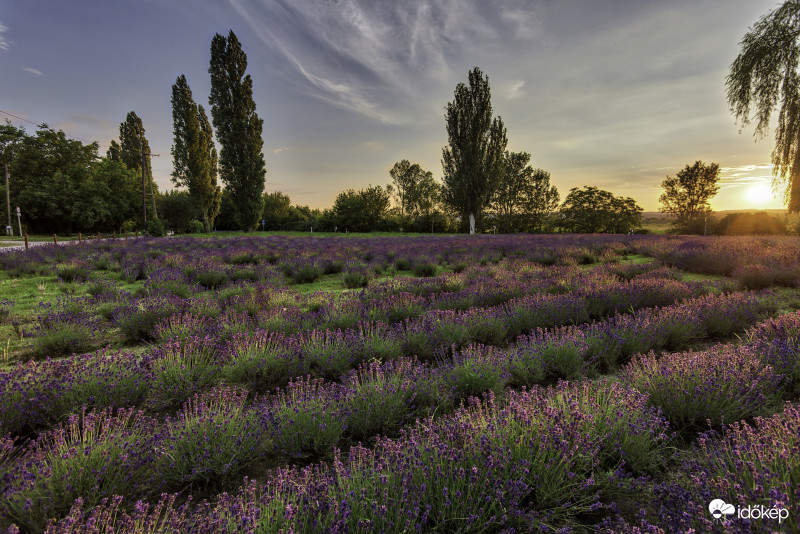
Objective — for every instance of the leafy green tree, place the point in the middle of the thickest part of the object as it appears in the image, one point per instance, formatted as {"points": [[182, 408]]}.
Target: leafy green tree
{"points": [[114, 152], [193, 153], [361, 211], [132, 142], [54, 169], [281, 214], [759, 223], [109, 197], [178, 209], [238, 128], [687, 195], [473, 160], [593, 210], [524, 199], [764, 78], [405, 177]]}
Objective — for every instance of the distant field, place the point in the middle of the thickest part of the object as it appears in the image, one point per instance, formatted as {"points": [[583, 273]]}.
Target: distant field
{"points": [[368, 383]]}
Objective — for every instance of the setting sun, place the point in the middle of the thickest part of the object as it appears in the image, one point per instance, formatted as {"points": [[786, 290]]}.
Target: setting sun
{"points": [[759, 195]]}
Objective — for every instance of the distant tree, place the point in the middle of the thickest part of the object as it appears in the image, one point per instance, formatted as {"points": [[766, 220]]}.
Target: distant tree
{"points": [[114, 152], [281, 214], [593, 210], [543, 200], [473, 160], [48, 170], [361, 211], [405, 177], [109, 196], [764, 73], [687, 195], [193, 153], [760, 223], [178, 210], [524, 198], [238, 129], [132, 142]]}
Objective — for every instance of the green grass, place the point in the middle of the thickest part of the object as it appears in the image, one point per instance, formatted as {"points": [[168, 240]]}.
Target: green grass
{"points": [[27, 293], [636, 258]]}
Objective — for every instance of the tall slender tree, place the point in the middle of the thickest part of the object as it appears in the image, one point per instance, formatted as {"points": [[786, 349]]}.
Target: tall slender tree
{"points": [[193, 153], [132, 142], [765, 73], [473, 161], [238, 129]]}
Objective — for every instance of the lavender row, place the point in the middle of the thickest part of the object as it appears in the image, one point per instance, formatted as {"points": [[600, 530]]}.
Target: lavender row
{"points": [[35, 394], [534, 461], [742, 467], [303, 422]]}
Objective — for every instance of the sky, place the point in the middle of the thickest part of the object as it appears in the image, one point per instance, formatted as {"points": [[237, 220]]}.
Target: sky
{"points": [[616, 94]]}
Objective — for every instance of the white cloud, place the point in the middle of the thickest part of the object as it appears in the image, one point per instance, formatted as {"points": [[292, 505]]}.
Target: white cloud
{"points": [[277, 151], [37, 72], [4, 43], [383, 59], [515, 91]]}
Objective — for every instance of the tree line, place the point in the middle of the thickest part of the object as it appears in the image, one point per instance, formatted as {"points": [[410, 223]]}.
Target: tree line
{"points": [[64, 186]]}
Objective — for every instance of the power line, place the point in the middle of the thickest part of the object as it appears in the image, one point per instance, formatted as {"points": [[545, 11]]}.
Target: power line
{"points": [[45, 125]]}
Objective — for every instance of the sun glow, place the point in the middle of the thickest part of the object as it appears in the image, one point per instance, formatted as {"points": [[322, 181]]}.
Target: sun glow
{"points": [[759, 195]]}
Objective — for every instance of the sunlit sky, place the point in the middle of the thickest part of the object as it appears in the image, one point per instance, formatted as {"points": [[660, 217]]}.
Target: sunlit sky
{"points": [[611, 93]]}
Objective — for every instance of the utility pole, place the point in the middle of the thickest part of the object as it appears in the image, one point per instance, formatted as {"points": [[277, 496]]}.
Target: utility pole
{"points": [[144, 187], [9, 231]]}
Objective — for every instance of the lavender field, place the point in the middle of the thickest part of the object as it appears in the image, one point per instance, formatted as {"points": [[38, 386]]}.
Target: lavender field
{"points": [[280, 384]]}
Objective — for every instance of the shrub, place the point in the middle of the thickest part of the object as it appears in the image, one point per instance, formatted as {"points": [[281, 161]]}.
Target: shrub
{"points": [[304, 274], [92, 456], [754, 276], [211, 441], [138, 320], [195, 227], [355, 279], [262, 361], [182, 369], [73, 272], [308, 418], [332, 266], [424, 269], [61, 333], [402, 264], [156, 228], [475, 371], [382, 399], [748, 463], [632, 434], [723, 384], [210, 279]]}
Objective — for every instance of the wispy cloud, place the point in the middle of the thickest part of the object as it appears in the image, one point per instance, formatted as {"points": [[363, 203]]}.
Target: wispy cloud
{"points": [[277, 151], [515, 90], [384, 59], [37, 72], [4, 43]]}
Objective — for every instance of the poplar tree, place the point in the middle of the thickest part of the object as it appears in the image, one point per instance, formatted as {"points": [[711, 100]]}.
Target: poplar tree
{"points": [[238, 129], [194, 156], [132, 142], [473, 161]]}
